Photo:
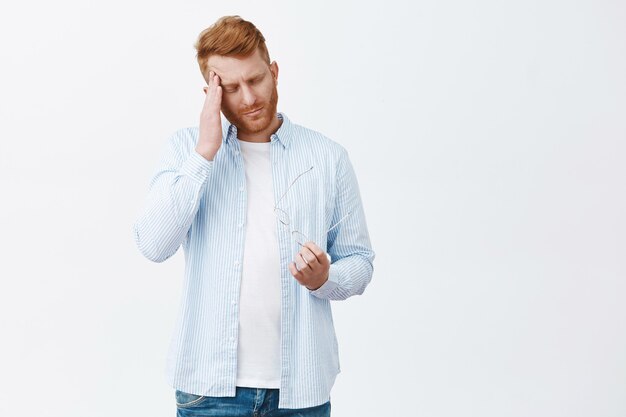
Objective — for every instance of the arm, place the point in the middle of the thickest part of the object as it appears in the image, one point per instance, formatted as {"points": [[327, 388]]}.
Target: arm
{"points": [[176, 188], [173, 199], [348, 244]]}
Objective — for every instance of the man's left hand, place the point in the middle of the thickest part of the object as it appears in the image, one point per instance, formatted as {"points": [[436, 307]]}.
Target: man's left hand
{"points": [[311, 266]]}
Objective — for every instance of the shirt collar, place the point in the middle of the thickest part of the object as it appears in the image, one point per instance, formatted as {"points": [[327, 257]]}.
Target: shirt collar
{"points": [[282, 135]]}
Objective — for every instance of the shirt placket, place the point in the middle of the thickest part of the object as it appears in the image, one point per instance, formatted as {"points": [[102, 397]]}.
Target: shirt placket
{"points": [[242, 201], [278, 155]]}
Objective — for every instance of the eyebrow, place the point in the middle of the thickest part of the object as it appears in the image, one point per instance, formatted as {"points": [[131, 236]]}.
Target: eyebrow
{"points": [[252, 77]]}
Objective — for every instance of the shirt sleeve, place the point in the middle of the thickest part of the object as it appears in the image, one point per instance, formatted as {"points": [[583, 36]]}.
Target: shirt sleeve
{"points": [[173, 198], [348, 244]]}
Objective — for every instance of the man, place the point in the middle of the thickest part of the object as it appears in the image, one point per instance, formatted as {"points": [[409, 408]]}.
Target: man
{"points": [[271, 222]]}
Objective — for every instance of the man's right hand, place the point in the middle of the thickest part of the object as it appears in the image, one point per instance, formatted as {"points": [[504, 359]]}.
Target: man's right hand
{"points": [[210, 135]]}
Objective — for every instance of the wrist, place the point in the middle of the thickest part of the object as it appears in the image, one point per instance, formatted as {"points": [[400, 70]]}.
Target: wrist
{"points": [[320, 285], [207, 153]]}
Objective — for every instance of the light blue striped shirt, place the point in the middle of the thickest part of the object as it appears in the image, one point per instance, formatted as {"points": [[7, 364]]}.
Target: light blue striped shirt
{"points": [[201, 205]]}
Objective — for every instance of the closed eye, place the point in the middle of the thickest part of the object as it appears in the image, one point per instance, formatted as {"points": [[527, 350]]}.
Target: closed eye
{"points": [[233, 88]]}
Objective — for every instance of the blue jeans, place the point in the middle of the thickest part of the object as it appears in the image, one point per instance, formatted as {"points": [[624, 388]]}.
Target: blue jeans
{"points": [[247, 402]]}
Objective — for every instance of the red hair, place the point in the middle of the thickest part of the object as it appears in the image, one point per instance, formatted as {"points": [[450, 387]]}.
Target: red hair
{"points": [[229, 36]]}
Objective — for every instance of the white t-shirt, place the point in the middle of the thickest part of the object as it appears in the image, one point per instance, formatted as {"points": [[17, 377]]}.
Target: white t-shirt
{"points": [[258, 350]]}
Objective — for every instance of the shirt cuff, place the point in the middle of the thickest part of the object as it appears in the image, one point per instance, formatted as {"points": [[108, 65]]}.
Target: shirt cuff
{"points": [[329, 286], [197, 167]]}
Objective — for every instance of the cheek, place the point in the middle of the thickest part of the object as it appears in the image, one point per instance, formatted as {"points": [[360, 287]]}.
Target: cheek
{"points": [[266, 91], [227, 102]]}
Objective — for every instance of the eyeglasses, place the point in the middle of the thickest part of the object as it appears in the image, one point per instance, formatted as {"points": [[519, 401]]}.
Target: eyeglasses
{"points": [[299, 237]]}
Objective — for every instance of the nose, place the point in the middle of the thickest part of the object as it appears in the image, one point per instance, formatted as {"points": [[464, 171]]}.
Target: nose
{"points": [[249, 98]]}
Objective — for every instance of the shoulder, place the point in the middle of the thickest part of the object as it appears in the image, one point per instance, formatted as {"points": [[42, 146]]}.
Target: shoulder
{"points": [[318, 142]]}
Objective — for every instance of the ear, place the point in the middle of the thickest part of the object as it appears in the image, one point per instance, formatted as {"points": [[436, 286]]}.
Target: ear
{"points": [[274, 70]]}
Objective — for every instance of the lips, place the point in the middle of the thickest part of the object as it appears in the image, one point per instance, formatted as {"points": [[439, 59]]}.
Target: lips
{"points": [[254, 112]]}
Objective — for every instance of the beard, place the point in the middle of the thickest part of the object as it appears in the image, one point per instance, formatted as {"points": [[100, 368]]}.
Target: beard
{"points": [[258, 123]]}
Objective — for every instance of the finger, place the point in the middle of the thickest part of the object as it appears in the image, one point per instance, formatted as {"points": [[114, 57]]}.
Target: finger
{"points": [[319, 254], [217, 84], [308, 256], [217, 95], [209, 88], [301, 263], [213, 100], [214, 79], [296, 274]]}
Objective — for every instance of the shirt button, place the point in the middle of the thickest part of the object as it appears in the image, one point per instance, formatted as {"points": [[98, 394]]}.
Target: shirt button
{"points": [[241, 188], [234, 302], [236, 263], [240, 225], [236, 152], [232, 339]]}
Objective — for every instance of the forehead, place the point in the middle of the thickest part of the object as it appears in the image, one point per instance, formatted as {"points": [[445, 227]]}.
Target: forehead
{"points": [[232, 69]]}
